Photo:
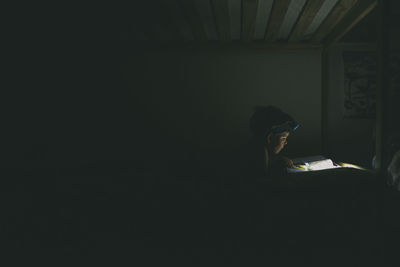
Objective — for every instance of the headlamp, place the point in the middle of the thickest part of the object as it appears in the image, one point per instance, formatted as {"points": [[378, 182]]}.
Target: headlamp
{"points": [[288, 126]]}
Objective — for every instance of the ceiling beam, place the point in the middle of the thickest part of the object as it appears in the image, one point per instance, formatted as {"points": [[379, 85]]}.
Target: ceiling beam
{"points": [[278, 12], [235, 44], [282, 46], [249, 12], [337, 13], [310, 10], [222, 20], [355, 15], [193, 17]]}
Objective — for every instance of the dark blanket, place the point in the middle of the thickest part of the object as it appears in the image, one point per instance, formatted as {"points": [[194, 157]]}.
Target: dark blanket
{"points": [[113, 213]]}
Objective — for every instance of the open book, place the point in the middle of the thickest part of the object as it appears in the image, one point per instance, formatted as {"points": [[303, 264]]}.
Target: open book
{"points": [[314, 163]]}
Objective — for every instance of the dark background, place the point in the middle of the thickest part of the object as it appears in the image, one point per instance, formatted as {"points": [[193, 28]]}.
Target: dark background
{"points": [[102, 161]]}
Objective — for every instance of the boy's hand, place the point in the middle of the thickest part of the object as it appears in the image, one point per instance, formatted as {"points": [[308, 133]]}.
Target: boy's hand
{"points": [[288, 162]]}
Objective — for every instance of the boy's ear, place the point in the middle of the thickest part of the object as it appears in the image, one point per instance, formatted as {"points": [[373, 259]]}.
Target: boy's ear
{"points": [[269, 137]]}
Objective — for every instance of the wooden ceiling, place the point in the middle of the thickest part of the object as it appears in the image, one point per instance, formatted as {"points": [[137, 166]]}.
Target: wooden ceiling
{"points": [[269, 21]]}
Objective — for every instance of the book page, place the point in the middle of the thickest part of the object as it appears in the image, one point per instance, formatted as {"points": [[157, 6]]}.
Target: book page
{"points": [[321, 165], [313, 163], [307, 159]]}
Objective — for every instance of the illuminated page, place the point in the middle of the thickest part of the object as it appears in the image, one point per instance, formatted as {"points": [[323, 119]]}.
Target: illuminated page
{"points": [[308, 159], [314, 163], [321, 165]]}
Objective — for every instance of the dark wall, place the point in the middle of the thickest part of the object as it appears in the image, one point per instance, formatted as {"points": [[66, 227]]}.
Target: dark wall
{"points": [[194, 102], [91, 94], [349, 139], [70, 100], [158, 105]]}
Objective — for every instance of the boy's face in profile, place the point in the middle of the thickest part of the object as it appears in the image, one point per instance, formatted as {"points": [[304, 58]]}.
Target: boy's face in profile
{"points": [[277, 142]]}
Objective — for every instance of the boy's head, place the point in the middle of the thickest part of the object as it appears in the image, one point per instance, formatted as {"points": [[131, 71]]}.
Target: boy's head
{"points": [[272, 125]]}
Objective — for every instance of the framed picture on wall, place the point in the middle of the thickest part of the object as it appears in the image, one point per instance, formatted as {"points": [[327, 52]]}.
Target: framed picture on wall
{"points": [[360, 68], [360, 81]]}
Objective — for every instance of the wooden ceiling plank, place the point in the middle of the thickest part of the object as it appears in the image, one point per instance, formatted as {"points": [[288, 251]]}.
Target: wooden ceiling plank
{"points": [[262, 18], [221, 11], [206, 13], [193, 17], [319, 18], [235, 17], [310, 10], [337, 13], [356, 14], [249, 12], [278, 13], [291, 17]]}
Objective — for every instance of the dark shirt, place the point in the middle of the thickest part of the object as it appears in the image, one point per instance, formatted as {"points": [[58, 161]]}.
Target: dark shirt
{"points": [[261, 164]]}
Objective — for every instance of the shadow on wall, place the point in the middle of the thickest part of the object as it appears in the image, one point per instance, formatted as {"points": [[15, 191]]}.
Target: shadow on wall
{"points": [[195, 102]]}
